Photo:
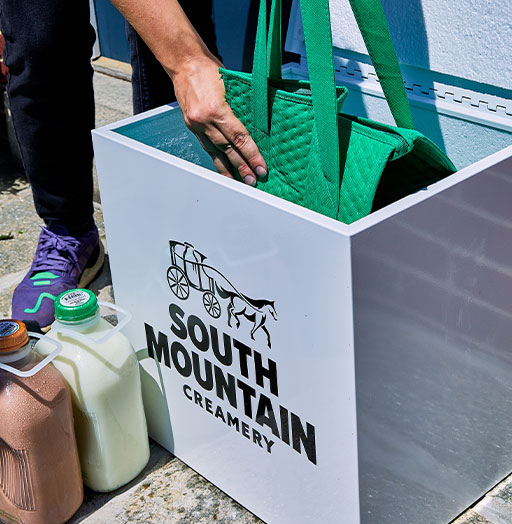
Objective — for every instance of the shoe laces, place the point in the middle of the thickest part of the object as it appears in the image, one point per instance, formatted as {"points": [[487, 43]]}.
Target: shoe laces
{"points": [[55, 251]]}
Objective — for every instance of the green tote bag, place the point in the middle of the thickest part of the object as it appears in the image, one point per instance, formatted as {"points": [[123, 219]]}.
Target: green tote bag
{"points": [[318, 157]]}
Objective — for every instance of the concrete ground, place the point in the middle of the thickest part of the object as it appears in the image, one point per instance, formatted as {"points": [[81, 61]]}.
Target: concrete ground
{"points": [[167, 491]]}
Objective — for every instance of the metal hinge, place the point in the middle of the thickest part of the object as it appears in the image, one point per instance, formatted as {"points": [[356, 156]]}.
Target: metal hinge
{"points": [[360, 72]]}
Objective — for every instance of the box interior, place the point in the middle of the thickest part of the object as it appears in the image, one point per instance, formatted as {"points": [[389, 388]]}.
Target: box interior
{"points": [[466, 135]]}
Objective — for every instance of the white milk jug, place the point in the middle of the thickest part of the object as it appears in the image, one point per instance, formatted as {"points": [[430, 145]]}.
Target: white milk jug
{"points": [[101, 368]]}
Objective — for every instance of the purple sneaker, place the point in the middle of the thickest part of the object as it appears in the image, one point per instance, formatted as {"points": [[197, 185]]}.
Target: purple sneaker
{"points": [[61, 262]]}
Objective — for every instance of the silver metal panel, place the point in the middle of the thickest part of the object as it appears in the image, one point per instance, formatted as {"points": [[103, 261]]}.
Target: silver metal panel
{"points": [[433, 338]]}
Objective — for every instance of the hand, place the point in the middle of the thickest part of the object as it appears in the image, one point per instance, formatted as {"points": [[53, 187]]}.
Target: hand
{"points": [[200, 92]]}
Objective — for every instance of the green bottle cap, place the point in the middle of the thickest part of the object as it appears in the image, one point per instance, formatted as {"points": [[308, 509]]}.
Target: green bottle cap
{"points": [[75, 304]]}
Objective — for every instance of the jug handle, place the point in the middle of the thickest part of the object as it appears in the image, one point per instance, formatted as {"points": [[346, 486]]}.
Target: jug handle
{"points": [[86, 339], [38, 367]]}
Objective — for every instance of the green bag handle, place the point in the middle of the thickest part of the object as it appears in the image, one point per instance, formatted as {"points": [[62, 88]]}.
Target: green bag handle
{"points": [[315, 14], [373, 25], [374, 28], [274, 57]]}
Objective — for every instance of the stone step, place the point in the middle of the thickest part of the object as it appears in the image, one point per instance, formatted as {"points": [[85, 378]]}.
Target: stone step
{"points": [[167, 492]]}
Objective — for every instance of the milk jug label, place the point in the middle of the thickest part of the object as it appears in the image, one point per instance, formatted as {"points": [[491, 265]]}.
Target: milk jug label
{"points": [[8, 328], [75, 298]]}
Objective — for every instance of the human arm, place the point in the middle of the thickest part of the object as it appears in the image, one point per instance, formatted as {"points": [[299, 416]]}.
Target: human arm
{"points": [[198, 85]]}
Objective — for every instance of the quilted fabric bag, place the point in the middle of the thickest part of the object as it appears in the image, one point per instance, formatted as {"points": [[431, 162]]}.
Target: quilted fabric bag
{"points": [[318, 157]]}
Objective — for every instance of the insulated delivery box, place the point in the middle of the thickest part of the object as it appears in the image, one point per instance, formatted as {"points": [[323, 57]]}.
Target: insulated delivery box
{"points": [[319, 372]]}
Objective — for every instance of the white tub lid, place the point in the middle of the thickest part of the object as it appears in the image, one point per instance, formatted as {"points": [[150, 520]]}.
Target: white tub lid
{"points": [[470, 39]]}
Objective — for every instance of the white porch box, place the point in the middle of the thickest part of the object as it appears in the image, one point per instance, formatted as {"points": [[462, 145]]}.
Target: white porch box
{"points": [[317, 372]]}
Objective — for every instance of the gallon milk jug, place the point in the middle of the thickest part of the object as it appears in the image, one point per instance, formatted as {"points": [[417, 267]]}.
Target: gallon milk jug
{"points": [[102, 371], [40, 480]]}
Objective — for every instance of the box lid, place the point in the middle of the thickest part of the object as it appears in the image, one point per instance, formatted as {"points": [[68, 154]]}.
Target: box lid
{"points": [[467, 39]]}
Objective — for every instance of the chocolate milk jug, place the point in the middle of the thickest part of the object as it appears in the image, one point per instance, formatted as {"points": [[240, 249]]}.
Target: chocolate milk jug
{"points": [[40, 479]]}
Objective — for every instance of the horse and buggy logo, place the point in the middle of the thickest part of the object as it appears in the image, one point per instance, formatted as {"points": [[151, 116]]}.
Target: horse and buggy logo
{"points": [[188, 271]]}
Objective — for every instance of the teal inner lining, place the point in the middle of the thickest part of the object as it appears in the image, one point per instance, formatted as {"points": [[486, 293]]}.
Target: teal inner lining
{"points": [[167, 132]]}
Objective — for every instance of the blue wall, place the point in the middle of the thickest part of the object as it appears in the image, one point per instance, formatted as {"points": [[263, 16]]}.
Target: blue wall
{"points": [[111, 31]]}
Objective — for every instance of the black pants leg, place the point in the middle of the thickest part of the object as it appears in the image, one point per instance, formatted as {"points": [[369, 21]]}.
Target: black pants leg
{"points": [[48, 51], [151, 85]]}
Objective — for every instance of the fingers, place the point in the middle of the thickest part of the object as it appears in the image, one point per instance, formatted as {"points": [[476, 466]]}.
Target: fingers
{"points": [[202, 99], [234, 155], [238, 138], [220, 160], [222, 164], [220, 127]]}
